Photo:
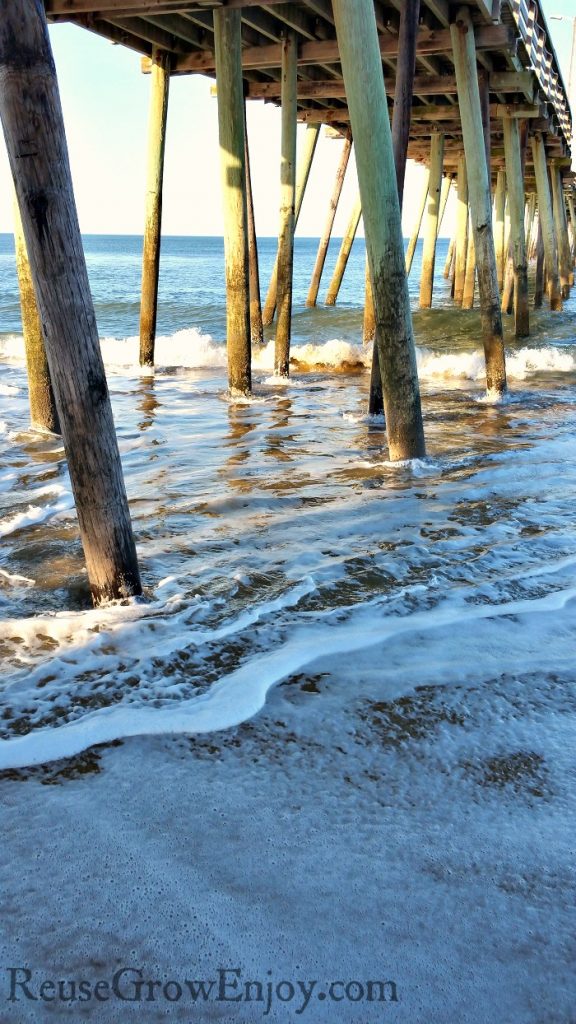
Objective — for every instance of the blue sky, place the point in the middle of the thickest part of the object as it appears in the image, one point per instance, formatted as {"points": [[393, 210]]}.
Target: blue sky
{"points": [[105, 101]]}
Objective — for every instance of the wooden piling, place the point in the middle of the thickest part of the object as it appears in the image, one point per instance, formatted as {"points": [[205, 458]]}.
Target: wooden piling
{"points": [[287, 205], [530, 215], [464, 51], [227, 44], [43, 411], [312, 297], [515, 179], [508, 289], [539, 278], [572, 212], [546, 220], [256, 327], [344, 254], [499, 226], [444, 194], [159, 89], [33, 125], [311, 136], [432, 220], [462, 220], [369, 325], [564, 255], [362, 71], [401, 117], [403, 88], [470, 272], [417, 222], [449, 258]]}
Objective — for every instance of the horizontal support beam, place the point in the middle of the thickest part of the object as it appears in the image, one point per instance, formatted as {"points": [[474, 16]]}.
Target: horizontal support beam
{"points": [[430, 42], [424, 85], [431, 115]]}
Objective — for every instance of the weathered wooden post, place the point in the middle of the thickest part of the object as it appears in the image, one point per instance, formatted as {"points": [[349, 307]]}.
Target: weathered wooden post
{"points": [[432, 220], [43, 411], [287, 204], [343, 255], [369, 323], [462, 219], [539, 279], [464, 51], [31, 116], [230, 94], [470, 272], [413, 240], [362, 71], [546, 220], [499, 226], [403, 88], [529, 222], [572, 212], [444, 194], [160, 84], [564, 255], [449, 262], [256, 328], [508, 290], [311, 137], [326, 234], [515, 179]]}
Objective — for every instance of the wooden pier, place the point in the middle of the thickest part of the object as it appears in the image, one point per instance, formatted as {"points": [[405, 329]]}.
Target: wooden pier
{"points": [[471, 90]]}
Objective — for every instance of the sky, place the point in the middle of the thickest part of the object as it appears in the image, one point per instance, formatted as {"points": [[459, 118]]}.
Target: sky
{"points": [[105, 103]]}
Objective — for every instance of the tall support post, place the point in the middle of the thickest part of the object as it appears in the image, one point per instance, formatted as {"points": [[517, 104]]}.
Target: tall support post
{"points": [[572, 213], [230, 94], [312, 297], [343, 255], [515, 178], [529, 221], [43, 411], [362, 71], [256, 328], [462, 219], [444, 194], [33, 125], [470, 274], [499, 226], [403, 88], [413, 241], [159, 85], [432, 220], [311, 137], [449, 258], [464, 50], [287, 205], [539, 279], [564, 256], [369, 325], [508, 289], [546, 220]]}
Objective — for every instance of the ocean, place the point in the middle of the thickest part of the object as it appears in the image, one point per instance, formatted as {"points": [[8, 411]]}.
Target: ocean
{"points": [[344, 713]]}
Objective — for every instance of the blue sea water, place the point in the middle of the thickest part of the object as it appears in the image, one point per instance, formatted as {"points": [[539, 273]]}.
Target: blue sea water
{"points": [[191, 285]]}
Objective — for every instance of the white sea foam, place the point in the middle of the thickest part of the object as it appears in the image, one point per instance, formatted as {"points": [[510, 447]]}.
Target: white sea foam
{"points": [[240, 694], [471, 365], [9, 389], [38, 513]]}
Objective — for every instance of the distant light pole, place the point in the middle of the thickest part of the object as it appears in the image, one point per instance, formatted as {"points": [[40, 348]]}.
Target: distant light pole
{"points": [[571, 79]]}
